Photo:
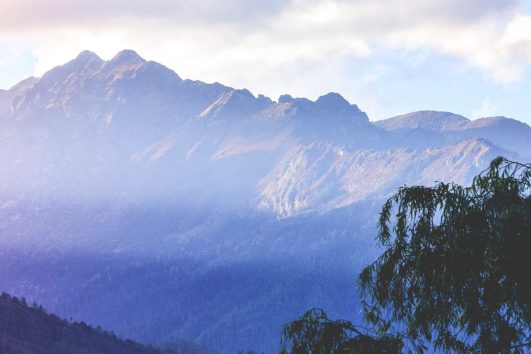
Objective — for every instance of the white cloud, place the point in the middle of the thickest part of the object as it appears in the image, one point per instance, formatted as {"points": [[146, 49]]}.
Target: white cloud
{"points": [[487, 109]]}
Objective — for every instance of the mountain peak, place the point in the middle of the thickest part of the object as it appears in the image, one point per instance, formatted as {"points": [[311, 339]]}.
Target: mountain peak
{"points": [[87, 55], [85, 59], [127, 56], [285, 98], [333, 104], [332, 99]]}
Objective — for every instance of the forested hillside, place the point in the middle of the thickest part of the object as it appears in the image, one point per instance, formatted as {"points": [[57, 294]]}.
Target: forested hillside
{"points": [[26, 329], [31, 330]]}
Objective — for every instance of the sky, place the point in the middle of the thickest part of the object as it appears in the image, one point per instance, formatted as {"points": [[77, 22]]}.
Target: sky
{"points": [[387, 56]]}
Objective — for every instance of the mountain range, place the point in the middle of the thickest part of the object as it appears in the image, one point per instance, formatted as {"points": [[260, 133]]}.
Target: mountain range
{"points": [[162, 208]]}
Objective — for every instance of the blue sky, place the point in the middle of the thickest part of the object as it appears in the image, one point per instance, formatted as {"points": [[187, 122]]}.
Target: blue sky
{"points": [[387, 56]]}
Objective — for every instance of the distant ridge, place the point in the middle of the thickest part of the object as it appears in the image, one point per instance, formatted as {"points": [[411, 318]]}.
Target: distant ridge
{"points": [[504, 132], [427, 120]]}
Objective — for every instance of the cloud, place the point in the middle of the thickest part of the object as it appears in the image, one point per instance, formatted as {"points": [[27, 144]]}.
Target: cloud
{"points": [[278, 32], [29, 14], [487, 109], [14, 64]]}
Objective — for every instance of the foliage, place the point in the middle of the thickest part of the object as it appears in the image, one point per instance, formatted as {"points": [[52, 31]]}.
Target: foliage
{"points": [[454, 275], [315, 333], [456, 267]]}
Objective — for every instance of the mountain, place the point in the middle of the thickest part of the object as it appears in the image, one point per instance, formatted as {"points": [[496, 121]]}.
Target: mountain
{"points": [[161, 207], [136, 131], [128, 120], [505, 132]]}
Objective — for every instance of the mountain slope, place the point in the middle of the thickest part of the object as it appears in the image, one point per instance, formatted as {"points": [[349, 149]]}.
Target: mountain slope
{"points": [[30, 330], [323, 177]]}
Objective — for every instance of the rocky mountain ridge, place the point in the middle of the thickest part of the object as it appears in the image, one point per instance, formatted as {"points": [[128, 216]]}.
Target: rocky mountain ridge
{"points": [[134, 121]]}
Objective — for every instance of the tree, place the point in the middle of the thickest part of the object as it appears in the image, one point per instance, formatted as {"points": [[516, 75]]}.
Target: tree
{"points": [[455, 272], [315, 333]]}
